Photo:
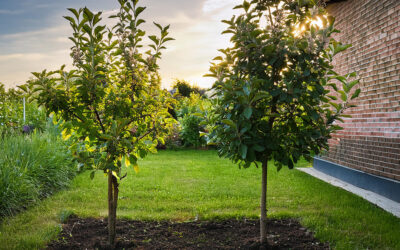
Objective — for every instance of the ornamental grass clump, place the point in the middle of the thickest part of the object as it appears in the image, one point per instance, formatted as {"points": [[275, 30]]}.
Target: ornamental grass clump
{"points": [[32, 167]]}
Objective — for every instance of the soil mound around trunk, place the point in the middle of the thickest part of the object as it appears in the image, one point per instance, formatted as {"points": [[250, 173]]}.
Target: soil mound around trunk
{"points": [[90, 233]]}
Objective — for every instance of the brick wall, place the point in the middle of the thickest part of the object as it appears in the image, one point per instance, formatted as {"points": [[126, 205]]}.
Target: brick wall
{"points": [[370, 141]]}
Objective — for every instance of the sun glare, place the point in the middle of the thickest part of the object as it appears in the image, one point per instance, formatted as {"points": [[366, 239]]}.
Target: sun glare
{"points": [[316, 22]]}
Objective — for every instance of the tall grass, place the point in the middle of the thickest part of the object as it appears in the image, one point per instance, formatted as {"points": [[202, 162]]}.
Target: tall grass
{"points": [[32, 167]]}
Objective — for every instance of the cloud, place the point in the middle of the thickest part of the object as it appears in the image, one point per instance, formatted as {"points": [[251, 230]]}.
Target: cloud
{"points": [[11, 12], [35, 33], [215, 5], [18, 56]]}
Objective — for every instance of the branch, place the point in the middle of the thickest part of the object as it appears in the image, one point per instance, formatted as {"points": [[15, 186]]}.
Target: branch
{"points": [[270, 16], [100, 122], [145, 134], [75, 115], [148, 132]]}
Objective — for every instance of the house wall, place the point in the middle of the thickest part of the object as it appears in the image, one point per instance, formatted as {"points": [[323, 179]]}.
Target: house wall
{"points": [[370, 141]]}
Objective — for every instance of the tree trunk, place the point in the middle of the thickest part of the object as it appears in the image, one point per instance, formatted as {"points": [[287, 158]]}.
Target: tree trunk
{"points": [[112, 207], [263, 219]]}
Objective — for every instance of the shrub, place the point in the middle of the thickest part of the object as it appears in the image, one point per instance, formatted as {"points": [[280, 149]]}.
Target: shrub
{"points": [[190, 132], [191, 113], [31, 167]]}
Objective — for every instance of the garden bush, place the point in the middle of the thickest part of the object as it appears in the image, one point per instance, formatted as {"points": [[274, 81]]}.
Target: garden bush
{"points": [[192, 111], [31, 167]]}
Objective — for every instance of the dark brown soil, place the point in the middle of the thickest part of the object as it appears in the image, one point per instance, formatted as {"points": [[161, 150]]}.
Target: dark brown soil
{"points": [[229, 234]]}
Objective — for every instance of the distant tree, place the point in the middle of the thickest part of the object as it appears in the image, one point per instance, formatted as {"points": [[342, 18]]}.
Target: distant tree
{"points": [[184, 88], [276, 91], [113, 108]]}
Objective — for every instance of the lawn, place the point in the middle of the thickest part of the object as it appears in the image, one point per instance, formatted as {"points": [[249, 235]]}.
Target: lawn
{"points": [[185, 185]]}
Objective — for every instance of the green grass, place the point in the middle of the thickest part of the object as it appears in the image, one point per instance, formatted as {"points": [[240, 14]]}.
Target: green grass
{"points": [[183, 185]]}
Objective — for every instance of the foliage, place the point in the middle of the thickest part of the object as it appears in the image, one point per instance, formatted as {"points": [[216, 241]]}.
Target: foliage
{"points": [[11, 112], [173, 139], [276, 88], [114, 110], [192, 112], [185, 89], [274, 100], [31, 167]]}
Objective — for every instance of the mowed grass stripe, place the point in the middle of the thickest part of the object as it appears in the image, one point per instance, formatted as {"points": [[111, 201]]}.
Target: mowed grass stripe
{"points": [[189, 184]]}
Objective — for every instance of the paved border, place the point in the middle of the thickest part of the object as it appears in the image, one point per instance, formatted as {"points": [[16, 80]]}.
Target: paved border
{"points": [[383, 202], [388, 188]]}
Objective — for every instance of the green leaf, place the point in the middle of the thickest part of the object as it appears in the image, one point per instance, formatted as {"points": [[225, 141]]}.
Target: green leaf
{"points": [[154, 39], [248, 112], [258, 148], [246, 90], [70, 19], [335, 105], [343, 95], [74, 11], [230, 123], [136, 168], [332, 97], [139, 10], [88, 14], [198, 115], [243, 151], [158, 25], [87, 29], [260, 95], [139, 22], [99, 29], [352, 84], [246, 5], [346, 88], [356, 94], [92, 175]]}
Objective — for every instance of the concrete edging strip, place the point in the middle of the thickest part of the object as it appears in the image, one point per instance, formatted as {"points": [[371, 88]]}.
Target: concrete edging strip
{"points": [[383, 202]]}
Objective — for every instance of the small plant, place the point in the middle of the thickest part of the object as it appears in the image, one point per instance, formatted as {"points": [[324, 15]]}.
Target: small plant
{"points": [[276, 90], [65, 215]]}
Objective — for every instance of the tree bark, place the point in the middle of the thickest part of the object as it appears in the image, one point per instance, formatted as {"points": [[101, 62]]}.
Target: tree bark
{"points": [[263, 219], [112, 208]]}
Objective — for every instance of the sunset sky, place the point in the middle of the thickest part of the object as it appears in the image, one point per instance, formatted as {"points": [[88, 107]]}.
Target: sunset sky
{"points": [[34, 36]]}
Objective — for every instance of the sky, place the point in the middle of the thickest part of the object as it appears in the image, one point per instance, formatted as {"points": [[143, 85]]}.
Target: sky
{"points": [[34, 35]]}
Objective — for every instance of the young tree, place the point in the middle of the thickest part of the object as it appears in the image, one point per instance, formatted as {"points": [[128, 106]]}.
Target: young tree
{"points": [[276, 92], [111, 102]]}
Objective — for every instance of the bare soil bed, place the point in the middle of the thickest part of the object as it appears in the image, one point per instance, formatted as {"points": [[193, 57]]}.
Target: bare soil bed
{"points": [[89, 233]]}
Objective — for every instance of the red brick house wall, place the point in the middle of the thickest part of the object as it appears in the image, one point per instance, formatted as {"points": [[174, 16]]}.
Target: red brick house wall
{"points": [[370, 141]]}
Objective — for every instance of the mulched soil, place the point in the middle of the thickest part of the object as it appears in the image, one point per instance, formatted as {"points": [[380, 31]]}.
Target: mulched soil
{"points": [[228, 234]]}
